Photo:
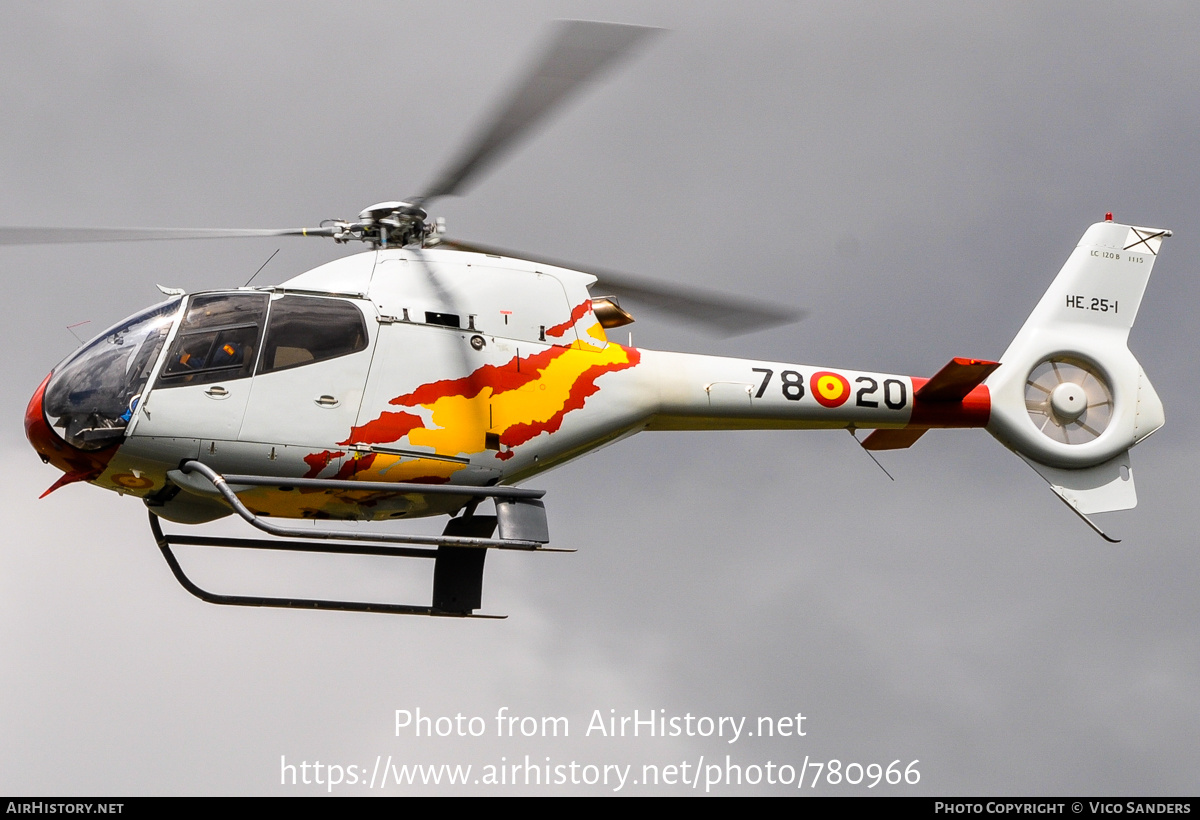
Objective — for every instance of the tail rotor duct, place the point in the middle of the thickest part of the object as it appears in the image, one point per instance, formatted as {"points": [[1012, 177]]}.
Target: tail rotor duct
{"points": [[1068, 400]]}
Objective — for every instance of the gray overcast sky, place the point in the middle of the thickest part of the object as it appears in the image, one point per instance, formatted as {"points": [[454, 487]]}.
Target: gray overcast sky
{"points": [[912, 174]]}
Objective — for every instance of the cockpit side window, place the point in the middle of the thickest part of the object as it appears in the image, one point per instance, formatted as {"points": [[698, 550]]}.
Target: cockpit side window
{"points": [[308, 329], [218, 339]]}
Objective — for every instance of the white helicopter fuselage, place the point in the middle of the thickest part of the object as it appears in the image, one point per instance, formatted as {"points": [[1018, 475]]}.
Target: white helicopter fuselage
{"points": [[447, 367], [444, 367]]}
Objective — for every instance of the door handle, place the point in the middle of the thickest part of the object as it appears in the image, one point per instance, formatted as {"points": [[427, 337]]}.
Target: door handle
{"points": [[327, 401], [217, 392]]}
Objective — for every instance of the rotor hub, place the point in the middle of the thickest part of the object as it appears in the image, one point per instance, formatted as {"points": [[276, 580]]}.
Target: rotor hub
{"points": [[386, 224], [1068, 401], [392, 210]]}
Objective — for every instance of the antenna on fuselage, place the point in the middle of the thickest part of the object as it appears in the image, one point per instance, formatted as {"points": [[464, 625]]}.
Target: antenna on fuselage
{"points": [[260, 267], [71, 329], [854, 435]]}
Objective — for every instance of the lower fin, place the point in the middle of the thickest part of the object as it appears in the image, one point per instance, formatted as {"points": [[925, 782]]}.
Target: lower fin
{"points": [[1106, 487]]}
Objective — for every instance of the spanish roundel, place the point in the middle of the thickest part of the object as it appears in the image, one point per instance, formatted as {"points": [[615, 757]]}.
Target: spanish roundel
{"points": [[830, 389]]}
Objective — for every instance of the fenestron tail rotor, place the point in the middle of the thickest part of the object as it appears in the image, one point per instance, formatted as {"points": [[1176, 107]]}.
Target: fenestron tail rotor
{"points": [[1069, 400]]}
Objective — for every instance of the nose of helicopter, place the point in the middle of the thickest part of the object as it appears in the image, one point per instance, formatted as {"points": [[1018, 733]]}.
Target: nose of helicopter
{"points": [[37, 430], [76, 464]]}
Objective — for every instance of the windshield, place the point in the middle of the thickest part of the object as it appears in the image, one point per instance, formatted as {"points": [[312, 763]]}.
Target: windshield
{"points": [[93, 394]]}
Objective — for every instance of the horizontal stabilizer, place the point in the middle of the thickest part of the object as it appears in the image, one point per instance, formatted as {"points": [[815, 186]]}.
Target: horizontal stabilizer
{"points": [[946, 400], [893, 439], [954, 381]]}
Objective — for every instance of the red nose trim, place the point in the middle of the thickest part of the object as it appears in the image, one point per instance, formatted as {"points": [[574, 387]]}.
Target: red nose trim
{"points": [[78, 465]]}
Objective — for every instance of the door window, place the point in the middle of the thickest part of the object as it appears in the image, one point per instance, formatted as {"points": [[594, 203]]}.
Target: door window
{"points": [[217, 341], [307, 329]]}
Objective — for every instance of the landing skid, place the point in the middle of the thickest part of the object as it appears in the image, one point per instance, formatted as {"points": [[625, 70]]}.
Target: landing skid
{"points": [[458, 553]]}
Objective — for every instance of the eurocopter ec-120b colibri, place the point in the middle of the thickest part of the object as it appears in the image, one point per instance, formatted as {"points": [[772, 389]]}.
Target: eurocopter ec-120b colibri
{"points": [[427, 375]]}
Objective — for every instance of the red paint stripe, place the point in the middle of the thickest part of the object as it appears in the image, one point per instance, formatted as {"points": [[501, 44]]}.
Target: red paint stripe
{"points": [[515, 373], [393, 426], [351, 466], [583, 387], [319, 461], [388, 427], [973, 411], [577, 313]]}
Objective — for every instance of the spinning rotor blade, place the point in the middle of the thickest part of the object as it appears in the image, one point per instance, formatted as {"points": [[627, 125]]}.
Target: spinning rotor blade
{"points": [[57, 236], [580, 51], [727, 315], [730, 315]]}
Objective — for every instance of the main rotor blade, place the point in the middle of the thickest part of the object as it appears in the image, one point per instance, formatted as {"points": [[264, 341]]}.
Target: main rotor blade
{"points": [[726, 314], [57, 236], [579, 52], [731, 315]]}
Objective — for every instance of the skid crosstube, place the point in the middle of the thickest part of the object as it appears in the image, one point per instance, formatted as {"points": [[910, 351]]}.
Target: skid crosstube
{"points": [[458, 553]]}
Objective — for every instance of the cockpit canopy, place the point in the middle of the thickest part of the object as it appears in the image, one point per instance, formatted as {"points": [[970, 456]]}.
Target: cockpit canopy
{"points": [[92, 395]]}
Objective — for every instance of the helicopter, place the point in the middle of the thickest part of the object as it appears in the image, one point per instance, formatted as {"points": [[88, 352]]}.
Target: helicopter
{"points": [[428, 375]]}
